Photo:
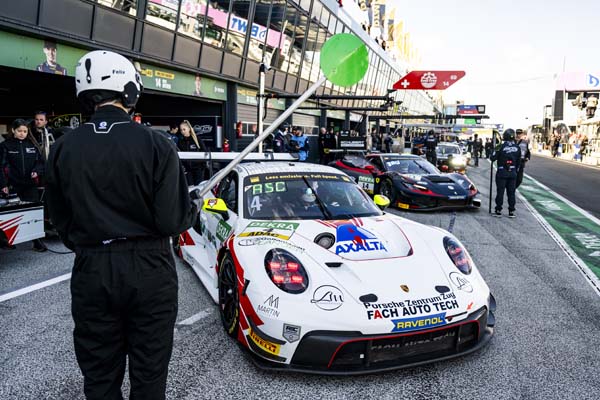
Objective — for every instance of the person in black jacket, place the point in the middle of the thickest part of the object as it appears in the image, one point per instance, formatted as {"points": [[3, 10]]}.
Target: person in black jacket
{"points": [[509, 160], [523, 144], [431, 143], [116, 193], [23, 164], [194, 172]]}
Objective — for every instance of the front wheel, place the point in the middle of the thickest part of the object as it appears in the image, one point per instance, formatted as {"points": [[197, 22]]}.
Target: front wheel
{"points": [[229, 302], [387, 189]]}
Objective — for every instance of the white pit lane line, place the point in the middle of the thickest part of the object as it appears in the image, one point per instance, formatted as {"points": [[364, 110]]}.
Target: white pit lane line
{"points": [[196, 317], [32, 288]]}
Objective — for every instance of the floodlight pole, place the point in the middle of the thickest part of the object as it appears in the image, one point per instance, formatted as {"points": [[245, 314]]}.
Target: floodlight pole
{"points": [[280, 120]]}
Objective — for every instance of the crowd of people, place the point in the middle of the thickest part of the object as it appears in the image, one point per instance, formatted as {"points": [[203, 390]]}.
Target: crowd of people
{"points": [[22, 157], [577, 144]]}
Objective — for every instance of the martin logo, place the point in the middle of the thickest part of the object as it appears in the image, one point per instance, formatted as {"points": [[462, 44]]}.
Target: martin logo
{"points": [[352, 239], [272, 301]]}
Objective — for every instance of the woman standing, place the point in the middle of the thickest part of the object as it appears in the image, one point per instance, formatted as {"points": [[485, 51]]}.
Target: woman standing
{"points": [[189, 142], [21, 166]]}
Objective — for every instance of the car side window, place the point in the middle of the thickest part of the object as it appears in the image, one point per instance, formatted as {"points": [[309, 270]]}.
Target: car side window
{"points": [[228, 191], [376, 161]]}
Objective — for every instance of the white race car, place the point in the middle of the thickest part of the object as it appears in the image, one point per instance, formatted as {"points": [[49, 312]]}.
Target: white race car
{"points": [[20, 221], [309, 274]]}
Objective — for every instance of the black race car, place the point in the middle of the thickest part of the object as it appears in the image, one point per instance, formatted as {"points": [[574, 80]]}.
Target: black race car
{"points": [[410, 182]]}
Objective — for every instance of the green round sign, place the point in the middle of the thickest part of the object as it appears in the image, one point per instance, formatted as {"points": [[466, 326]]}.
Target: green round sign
{"points": [[344, 59]]}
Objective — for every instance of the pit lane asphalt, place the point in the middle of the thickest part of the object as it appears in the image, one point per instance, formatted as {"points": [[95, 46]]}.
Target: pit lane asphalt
{"points": [[546, 346], [578, 183]]}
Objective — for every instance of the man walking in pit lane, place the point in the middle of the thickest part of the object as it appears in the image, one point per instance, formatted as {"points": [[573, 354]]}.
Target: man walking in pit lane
{"points": [[430, 147], [116, 192], [523, 144], [476, 149], [508, 159]]}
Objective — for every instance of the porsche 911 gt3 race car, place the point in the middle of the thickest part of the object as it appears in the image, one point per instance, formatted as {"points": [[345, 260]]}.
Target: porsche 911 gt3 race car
{"points": [[310, 275], [410, 182]]}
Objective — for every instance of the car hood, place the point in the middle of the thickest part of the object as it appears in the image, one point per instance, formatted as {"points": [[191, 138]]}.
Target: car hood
{"points": [[360, 239], [413, 277]]}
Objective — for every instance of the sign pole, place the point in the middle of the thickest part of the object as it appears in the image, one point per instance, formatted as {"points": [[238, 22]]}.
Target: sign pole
{"points": [[492, 170]]}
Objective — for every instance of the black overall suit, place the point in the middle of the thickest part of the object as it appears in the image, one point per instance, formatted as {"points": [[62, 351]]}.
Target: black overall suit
{"points": [[116, 192]]}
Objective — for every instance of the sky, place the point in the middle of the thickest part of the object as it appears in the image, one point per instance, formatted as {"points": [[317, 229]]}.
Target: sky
{"points": [[511, 50]]}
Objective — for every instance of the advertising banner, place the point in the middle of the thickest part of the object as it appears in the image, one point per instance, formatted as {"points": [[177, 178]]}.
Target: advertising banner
{"points": [[168, 80], [248, 96], [348, 142], [579, 81], [59, 59], [38, 55], [470, 110]]}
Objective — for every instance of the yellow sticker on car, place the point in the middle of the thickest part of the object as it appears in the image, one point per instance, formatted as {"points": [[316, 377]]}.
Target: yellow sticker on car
{"points": [[263, 233], [267, 346], [403, 205]]}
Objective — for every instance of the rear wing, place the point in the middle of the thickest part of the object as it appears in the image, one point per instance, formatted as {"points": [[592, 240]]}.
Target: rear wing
{"points": [[222, 156]]}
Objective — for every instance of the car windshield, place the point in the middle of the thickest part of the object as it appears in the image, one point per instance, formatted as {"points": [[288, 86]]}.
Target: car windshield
{"points": [[305, 196], [442, 149], [409, 166]]}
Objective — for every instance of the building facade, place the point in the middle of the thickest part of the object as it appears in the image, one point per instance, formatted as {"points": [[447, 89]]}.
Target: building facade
{"points": [[199, 60]]}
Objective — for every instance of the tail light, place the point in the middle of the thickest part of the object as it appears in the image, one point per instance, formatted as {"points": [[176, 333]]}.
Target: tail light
{"points": [[286, 271], [458, 255]]}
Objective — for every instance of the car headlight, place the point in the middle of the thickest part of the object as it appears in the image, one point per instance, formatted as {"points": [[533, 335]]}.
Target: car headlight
{"points": [[286, 271], [458, 255], [458, 160]]}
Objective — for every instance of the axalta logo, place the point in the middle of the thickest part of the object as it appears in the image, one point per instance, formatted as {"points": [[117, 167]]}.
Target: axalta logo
{"points": [[413, 324], [352, 239]]}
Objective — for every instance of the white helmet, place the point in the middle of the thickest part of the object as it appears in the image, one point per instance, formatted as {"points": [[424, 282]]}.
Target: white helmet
{"points": [[100, 74], [309, 196]]}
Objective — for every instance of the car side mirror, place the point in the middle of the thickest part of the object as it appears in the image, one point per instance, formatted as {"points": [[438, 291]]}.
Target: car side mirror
{"points": [[381, 201], [216, 206]]}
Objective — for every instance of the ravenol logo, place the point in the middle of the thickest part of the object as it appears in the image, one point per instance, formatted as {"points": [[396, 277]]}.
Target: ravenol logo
{"points": [[352, 238], [417, 323]]}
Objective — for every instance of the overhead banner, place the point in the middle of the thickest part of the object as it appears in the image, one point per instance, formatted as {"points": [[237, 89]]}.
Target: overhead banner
{"points": [[579, 81], [428, 80], [470, 110]]}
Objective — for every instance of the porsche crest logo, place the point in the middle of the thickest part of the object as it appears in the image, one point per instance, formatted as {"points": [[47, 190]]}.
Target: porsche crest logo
{"points": [[405, 288]]}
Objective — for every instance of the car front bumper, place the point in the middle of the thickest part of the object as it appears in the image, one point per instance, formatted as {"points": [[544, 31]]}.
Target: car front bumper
{"points": [[352, 353], [431, 203]]}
